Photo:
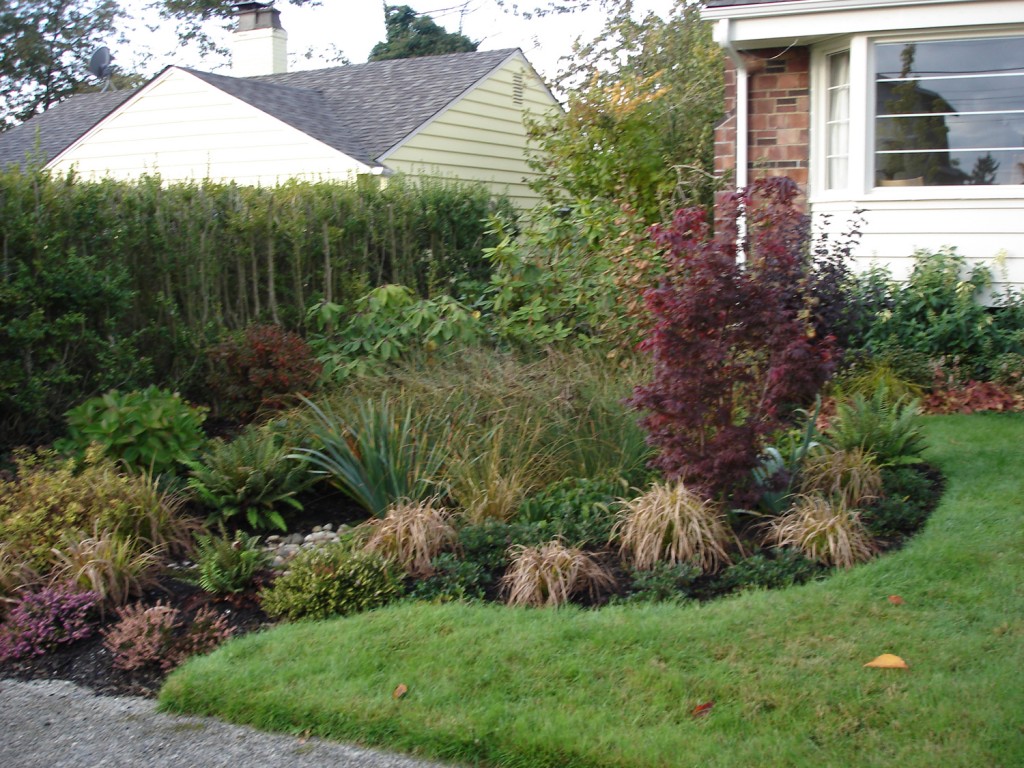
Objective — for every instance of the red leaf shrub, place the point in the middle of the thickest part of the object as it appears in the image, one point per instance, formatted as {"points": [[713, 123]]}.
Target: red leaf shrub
{"points": [[734, 344], [972, 397], [259, 369]]}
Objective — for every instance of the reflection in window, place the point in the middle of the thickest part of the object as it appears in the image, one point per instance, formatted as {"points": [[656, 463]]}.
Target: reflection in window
{"points": [[950, 112]]}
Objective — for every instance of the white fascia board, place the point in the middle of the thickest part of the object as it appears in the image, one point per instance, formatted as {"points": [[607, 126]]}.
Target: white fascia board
{"points": [[517, 54], [808, 21]]}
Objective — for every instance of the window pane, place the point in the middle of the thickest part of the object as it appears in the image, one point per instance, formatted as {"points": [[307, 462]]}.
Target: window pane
{"points": [[950, 112], [837, 135]]}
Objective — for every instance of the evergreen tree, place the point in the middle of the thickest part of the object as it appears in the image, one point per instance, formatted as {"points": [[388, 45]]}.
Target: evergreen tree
{"points": [[410, 35]]}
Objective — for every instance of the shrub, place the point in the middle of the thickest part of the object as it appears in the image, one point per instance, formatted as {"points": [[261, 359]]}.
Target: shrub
{"points": [[260, 368], [251, 477], [411, 535], [553, 573], [49, 498], [331, 580], [226, 565], [577, 510], [158, 636], [671, 523], [662, 583], [824, 531], [452, 580], [888, 428], [149, 430], [734, 344], [972, 397], [774, 569], [909, 494], [111, 566], [40, 621], [487, 543], [377, 457]]}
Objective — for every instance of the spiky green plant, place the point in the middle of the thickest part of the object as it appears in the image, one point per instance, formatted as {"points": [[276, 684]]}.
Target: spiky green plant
{"points": [[885, 426]]}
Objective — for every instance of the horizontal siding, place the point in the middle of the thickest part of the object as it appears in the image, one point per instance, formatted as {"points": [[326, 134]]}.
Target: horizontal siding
{"points": [[981, 230], [482, 137], [184, 129]]}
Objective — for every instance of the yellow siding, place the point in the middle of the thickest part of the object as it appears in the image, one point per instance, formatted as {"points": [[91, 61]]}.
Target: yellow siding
{"points": [[482, 137], [182, 128]]}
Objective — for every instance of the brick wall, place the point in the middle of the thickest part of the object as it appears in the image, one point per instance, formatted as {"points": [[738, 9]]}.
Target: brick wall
{"points": [[778, 117]]}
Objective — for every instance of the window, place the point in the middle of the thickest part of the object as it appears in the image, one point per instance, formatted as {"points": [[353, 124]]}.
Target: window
{"points": [[837, 126], [947, 112]]}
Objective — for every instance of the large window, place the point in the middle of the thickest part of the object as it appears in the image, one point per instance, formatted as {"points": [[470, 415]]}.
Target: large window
{"points": [[949, 112]]}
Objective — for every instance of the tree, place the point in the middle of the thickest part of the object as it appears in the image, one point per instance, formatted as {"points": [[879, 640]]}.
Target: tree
{"points": [[45, 47], [410, 35], [642, 100], [191, 15]]}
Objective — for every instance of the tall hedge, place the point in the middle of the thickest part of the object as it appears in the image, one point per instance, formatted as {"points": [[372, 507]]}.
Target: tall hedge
{"points": [[112, 283]]}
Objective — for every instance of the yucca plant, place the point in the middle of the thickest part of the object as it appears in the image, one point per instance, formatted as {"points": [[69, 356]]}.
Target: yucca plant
{"points": [[823, 530], [412, 534], [887, 427], [551, 574], [851, 476], [673, 524], [114, 567], [252, 476], [376, 456]]}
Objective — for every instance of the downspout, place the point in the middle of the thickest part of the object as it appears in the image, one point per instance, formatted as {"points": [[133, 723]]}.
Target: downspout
{"points": [[723, 36]]}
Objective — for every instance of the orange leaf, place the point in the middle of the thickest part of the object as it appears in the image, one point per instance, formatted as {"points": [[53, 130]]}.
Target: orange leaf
{"points": [[702, 709], [887, 661], [896, 600], [400, 691]]}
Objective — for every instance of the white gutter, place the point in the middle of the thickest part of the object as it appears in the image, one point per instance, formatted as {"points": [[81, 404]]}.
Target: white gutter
{"points": [[723, 37]]}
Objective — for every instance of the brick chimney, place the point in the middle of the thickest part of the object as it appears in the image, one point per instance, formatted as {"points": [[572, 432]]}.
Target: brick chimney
{"points": [[259, 44]]}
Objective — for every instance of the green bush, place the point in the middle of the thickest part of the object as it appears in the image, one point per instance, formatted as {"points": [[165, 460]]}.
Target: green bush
{"points": [[487, 543], [774, 569], [226, 565], [332, 580], [251, 477], [150, 430], [663, 583], [909, 493], [454, 580], [889, 428], [578, 510]]}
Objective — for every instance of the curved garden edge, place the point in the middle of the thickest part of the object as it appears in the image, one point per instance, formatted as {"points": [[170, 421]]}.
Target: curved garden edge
{"points": [[617, 687]]}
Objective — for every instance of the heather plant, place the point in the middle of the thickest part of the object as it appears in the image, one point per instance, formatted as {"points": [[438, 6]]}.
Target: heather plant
{"points": [[252, 477], [734, 344], [59, 614], [412, 534], [332, 580], [260, 368], [160, 636], [149, 430], [674, 524], [552, 574], [228, 565]]}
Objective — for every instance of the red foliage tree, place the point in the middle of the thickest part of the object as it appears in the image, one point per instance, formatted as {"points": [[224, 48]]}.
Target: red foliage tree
{"points": [[734, 341]]}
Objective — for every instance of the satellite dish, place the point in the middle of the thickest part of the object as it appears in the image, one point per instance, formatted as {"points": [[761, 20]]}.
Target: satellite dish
{"points": [[102, 65]]}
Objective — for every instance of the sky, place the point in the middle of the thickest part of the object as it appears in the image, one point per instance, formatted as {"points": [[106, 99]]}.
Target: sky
{"points": [[353, 27]]}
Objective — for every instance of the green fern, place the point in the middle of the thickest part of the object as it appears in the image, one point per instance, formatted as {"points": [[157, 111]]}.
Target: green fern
{"points": [[228, 566], [885, 426]]}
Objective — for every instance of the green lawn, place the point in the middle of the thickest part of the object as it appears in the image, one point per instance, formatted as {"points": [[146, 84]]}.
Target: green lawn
{"points": [[615, 687]]}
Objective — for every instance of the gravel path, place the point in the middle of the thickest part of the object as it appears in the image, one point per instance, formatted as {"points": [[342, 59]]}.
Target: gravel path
{"points": [[56, 724]]}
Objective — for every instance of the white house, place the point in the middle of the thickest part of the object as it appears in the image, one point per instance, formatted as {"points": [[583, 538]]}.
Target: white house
{"points": [[912, 110], [457, 116]]}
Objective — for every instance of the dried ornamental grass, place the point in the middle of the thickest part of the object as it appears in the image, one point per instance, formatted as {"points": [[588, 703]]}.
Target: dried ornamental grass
{"points": [[114, 567], [828, 532], [672, 524], [412, 534], [851, 476], [551, 574]]}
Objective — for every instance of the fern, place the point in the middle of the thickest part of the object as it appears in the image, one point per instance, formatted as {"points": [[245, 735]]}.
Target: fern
{"points": [[228, 566], [889, 428]]}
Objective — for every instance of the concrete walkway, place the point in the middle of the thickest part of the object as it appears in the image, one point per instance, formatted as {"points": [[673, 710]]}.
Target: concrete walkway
{"points": [[56, 724]]}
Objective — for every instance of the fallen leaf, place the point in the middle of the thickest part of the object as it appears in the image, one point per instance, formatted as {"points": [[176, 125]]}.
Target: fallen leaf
{"points": [[400, 691], [887, 661], [702, 709], [895, 599]]}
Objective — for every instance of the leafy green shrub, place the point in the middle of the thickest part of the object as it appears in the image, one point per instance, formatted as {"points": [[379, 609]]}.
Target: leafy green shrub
{"points": [[226, 565], [251, 476], [376, 456], [890, 429], [150, 429], [42, 620], [332, 580], [487, 543], [160, 636], [51, 497], [775, 569], [453, 580], [661, 583], [909, 494], [578, 510]]}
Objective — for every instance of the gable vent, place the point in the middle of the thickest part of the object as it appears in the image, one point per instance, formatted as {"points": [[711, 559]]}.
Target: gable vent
{"points": [[518, 87]]}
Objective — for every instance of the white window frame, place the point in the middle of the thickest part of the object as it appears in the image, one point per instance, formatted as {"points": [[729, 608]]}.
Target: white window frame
{"points": [[860, 174]]}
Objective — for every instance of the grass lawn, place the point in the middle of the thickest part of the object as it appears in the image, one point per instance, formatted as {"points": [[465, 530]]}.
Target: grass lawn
{"points": [[616, 687]]}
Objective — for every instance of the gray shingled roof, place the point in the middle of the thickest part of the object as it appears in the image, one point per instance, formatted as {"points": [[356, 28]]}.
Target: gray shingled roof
{"points": [[362, 110], [46, 135]]}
